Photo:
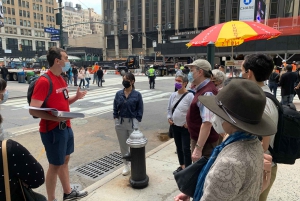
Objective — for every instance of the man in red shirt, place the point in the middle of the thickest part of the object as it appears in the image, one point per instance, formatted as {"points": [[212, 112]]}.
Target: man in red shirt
{"points": [[56, 133]]}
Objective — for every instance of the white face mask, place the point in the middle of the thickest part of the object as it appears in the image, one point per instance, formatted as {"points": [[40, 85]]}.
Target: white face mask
{"points": [[217, 123]]}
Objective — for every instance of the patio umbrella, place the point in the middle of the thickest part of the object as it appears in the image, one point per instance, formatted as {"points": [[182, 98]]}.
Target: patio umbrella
{"points": [[234, 33]]}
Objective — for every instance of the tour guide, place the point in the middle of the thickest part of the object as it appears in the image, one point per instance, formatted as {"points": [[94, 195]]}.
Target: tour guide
{"points": [[56, 133]]}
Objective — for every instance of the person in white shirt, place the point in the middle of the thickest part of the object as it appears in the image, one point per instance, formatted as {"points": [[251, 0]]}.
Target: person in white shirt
{"points": [[177, 120], [258, 68]]}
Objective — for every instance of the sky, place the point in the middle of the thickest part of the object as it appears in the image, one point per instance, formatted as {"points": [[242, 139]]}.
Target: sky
{"points": [[96, 4]]}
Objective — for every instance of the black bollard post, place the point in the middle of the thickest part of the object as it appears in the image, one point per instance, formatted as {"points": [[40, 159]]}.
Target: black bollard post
{"points": [[137, 143]]}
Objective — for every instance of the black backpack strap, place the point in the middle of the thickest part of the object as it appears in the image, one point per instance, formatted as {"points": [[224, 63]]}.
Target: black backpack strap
{"points": [[50, 88], [275, 101], [280, 111]]}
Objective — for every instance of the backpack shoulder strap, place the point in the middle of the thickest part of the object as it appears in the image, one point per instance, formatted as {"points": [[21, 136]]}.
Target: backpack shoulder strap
{"points": [[280, 110], [179, 101], [50, 88], [275, 101]]}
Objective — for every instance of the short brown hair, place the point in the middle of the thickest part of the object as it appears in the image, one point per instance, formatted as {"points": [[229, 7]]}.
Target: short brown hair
{"points": [[54, 53]]}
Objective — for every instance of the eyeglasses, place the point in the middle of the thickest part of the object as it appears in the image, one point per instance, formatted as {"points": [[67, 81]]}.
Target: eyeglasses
{"points": [[220, 104]]}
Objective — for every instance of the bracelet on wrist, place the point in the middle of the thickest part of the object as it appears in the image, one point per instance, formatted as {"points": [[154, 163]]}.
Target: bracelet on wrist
{"points": [[198, 146]]}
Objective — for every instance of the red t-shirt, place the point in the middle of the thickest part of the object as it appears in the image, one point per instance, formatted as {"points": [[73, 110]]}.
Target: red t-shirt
{"points": [[56, 99]]}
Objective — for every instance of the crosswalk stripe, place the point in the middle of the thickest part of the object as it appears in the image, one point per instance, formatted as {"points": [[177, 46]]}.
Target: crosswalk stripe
{"points": [[105, 97]]}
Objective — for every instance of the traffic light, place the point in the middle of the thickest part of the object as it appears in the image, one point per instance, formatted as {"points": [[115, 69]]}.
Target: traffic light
{"points": [[58, 18], [120, 31]]}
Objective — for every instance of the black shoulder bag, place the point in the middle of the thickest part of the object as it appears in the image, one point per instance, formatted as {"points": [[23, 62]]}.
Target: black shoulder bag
{"points": [[171, 135]]}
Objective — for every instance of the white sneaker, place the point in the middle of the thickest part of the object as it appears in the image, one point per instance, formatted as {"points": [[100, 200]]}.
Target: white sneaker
{"points": [[126, 170]]}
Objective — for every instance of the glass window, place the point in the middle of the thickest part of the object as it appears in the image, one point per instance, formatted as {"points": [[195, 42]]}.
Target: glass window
{"points": [[222, 11], [8, 11], [274, 9], [20, 13], [41, 8], [25, 23], [34, 15], [35, 25], [4, 9], [289, 8], [9, 20], [37, 7], [46, 9], [28, 24], [24, 13], [14, 21], [42, 17], [38, 16], [21, 22], [28, 14], [29, 32], [22, 32], [13, 11], [19, 2], [235, 10], [27, 4], [33, 6], [23, 3], [200, 13], [12, 2], [15, 30]]}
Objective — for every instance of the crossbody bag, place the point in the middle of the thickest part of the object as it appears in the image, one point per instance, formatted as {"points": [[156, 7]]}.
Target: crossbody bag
{"points": [[171, 135]]}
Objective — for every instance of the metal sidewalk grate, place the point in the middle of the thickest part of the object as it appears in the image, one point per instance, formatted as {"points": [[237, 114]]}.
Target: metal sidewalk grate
{"points": [[101, 167]]}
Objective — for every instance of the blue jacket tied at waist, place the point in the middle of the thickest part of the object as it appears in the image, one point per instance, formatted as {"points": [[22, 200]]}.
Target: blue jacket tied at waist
{"points": [[131, 107]]}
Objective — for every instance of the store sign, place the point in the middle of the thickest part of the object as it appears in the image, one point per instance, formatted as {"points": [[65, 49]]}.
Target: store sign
{"points": [[235, 63], [247, 8], [189, 32]]}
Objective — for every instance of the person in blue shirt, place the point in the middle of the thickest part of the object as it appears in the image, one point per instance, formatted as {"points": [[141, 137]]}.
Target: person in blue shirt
{"points": [[128, 112]]}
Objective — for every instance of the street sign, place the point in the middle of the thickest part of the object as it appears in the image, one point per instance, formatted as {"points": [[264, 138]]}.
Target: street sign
{"points": [[51, 30], [54, 38]]}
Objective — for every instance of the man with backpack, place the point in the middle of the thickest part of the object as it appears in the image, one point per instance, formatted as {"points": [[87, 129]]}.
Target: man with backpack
{"points": [[50, 91], [257, 68]]}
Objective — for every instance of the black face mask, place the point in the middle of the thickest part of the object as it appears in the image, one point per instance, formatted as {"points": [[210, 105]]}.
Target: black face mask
{"points": [[126, 84]]}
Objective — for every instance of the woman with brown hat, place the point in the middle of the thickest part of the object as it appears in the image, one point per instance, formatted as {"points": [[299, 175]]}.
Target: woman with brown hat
{"points": [[235, 168]]}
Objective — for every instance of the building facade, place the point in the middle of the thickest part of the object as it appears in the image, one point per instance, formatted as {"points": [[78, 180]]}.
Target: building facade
{"points": [[82, 26], [162, 23], [24, 23]]}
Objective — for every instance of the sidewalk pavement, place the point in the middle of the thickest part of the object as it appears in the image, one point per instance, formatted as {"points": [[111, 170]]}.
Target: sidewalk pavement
{"points": [[160, 163]]}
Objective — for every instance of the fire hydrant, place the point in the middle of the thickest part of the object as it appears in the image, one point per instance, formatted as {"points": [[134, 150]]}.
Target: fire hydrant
{"points": [[137, 143]]}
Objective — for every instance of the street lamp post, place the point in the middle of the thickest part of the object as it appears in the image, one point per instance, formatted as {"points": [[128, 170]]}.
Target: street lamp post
{"points": [[60, 25]]}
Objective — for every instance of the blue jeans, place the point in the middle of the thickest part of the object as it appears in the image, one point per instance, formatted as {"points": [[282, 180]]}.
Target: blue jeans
{"points": [[273, 88], [95, 78], [70, 79], [88, 82], [285, 100]]}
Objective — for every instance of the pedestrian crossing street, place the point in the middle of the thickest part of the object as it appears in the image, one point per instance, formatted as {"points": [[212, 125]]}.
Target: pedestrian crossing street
{"points": [[278, 96], [97, 101], [118, 80]]}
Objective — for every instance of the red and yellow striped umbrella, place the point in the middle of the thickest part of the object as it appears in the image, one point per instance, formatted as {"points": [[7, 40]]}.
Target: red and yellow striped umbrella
{"points": [[234, 33]]}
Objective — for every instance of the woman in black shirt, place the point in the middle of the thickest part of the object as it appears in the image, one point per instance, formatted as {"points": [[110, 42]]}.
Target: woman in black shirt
{"points": [[21, 165]]}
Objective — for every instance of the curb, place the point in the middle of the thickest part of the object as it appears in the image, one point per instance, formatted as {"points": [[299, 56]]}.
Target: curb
{"points": [[90, 189]]}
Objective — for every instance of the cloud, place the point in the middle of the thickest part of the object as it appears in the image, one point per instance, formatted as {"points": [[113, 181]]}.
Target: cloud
{"points": [[96, 5]]}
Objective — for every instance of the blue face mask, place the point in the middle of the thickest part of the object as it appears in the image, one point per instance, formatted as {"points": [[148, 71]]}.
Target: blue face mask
{"points": [[190, 77], [5, 97], [66, 67]]}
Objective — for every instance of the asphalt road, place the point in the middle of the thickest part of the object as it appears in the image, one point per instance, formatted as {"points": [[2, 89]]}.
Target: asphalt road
{"points": [[95, 135]]}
